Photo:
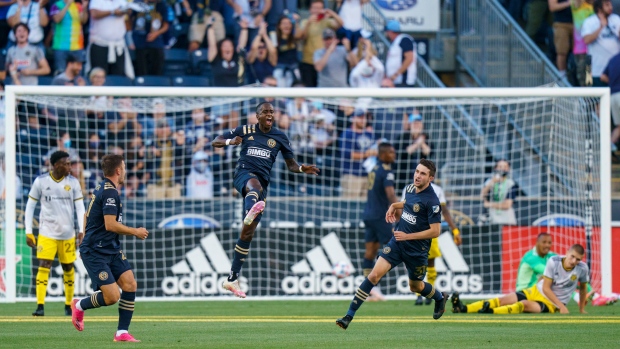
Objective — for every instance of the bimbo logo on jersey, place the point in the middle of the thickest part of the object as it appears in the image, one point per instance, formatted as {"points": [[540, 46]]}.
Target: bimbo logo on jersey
{"points": [[196, 275], [311, 271], [408, 217], [259, 153]]}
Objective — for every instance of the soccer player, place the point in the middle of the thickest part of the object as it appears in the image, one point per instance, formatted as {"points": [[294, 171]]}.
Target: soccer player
{"points": [[435, 252], [58, 192], [260, 144], [533, 262], [101, 252], [381, 195], [549, 295], [420, 220]]}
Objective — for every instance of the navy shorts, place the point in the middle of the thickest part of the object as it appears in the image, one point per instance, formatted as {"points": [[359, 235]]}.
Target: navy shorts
{"points": [[394, 254], [377, 230], [104, 269], [241, 179]]}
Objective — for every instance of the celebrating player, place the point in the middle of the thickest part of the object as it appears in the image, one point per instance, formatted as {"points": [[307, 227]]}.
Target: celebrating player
{"points": [[380, 196], [260, 146], [58, 192], [420, 220], [101, 252], [435, 252], [549, 295]]}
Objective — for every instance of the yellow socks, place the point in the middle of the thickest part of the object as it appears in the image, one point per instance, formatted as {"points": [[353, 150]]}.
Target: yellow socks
{"points": [[431, 275], [474, 307], [516, 308], [42, 277], [69, 277]]}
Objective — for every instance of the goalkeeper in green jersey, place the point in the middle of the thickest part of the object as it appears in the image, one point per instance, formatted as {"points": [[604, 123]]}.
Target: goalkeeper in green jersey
{"points": [[533, 262]]}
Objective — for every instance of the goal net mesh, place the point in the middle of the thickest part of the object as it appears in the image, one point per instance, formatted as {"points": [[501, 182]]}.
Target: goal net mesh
{"points": [[180, 188]]}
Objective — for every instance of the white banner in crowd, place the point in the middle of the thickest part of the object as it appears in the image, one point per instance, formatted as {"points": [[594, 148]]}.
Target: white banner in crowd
{"points": [[413, 15]]}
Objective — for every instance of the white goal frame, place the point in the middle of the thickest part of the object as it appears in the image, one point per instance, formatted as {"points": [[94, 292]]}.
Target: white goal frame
{"points": [[13, 92]]}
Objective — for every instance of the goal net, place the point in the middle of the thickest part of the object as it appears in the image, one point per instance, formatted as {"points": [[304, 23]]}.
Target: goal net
{"points": [[555, 179]]}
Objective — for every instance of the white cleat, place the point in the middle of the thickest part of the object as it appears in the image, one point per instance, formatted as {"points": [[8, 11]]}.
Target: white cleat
{"points": [[233, 286]]}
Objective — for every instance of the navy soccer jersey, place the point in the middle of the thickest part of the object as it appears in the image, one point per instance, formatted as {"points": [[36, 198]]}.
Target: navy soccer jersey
{"points": [[104, 201], [377, 203], [259, 150], [421, 210]]}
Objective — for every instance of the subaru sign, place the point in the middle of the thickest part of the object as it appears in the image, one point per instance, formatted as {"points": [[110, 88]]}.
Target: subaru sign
{"points": [[413, 15]]}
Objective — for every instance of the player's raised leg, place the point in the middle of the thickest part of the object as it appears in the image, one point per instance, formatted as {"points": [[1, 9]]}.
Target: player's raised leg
{"points": [[381, 268], [253, 203], [126, 304]]}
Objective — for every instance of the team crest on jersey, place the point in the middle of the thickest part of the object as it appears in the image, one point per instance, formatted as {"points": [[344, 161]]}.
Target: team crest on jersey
{"points": [[271, 143], [110, 202], [416, 208], [436, 209], [103, 276], [573, 277], [387, 250], [67, 187]]}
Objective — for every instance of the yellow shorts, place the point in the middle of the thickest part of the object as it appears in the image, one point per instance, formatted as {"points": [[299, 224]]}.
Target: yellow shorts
{"points": [[47, 248], [532, 294], [434, 251]]}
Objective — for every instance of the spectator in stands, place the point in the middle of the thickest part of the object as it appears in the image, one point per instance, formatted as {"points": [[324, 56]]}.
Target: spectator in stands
{"points": [[33, 138], [97, 78], [498, 194], [107, 48], [312, 34], [5, 29], [351, 13], [182, 158], [63, 143], [562, 31], [411, 146], [198, 131], [538, 17], [77, 171], [601, 32], [69, 17], [96, 150], [287, 36], [199, 182], [33, 15], [18, 182], [368, 71], [208, 13], [581, 10], [322, 133], [160, 158], [263, 56], [387, 83], [158, 112], [148, 27], [71, 76], [331, 62], [25, 62], [134, 160], [611, 76], [227, 64], [253, 12], [123, 125], [357, 145], [401, 62], [279, 9]]}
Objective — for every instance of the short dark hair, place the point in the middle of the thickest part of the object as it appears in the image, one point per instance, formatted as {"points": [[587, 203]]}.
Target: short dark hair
{"points": [[260, 105], [71, 59], [541, 235], [384, 146], [109, 164], [430, 165], [58, 155], [321, 1], [578, 248], [598, 5], [20, 24]]}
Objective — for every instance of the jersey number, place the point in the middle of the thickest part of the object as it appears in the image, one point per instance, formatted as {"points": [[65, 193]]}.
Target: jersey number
{"points": [[92, 201], [371, 180], [68, 247]]}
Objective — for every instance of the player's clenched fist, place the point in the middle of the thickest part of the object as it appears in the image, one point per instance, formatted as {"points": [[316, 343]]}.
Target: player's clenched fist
{"points": [[236, 141], [141, 233]]}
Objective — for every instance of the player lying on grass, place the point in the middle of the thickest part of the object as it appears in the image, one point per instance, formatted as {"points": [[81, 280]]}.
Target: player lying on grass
{"points": [[549, 295], [420, 220], [260, 144]]}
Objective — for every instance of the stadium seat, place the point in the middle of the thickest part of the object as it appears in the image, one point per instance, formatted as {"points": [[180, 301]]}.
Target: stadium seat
{"points": [[176, 62], [118, 80], [151, 80], [200, 63], [191, 81]]}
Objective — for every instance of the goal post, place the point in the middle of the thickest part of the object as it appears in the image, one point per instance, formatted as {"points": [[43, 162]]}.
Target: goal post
{"points": [[461, 121]]}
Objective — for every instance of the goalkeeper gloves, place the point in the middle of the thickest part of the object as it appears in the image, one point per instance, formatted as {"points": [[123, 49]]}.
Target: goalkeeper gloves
{"points": [[456, 235], [30, 237]]}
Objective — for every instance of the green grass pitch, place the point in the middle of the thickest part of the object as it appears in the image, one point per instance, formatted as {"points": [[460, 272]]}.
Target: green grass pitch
{"points": [[307, 324]]}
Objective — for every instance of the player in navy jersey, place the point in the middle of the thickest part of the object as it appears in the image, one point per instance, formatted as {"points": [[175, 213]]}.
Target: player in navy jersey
{"points": [[381, 195], [260, 144], [101, 252], [420, 221]]}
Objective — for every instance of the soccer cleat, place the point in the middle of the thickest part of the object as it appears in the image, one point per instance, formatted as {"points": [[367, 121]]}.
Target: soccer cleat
{"points": [[344, 322], [486, 308], [77, 316], [40, 311], [254, 211], [457, 305], [68, 311], [419, 300], [440, 306], [233, 286], [125, 337]]}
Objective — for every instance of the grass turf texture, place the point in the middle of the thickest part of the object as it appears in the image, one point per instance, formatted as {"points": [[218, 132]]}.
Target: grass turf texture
{"points": [[307, 324]]}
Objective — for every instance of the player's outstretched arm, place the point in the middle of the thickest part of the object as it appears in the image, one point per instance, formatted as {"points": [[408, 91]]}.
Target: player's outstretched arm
{"points": [[113, 226], [551, 296], [293, 166], [390, 215], [221, 142], [583, 297]]}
